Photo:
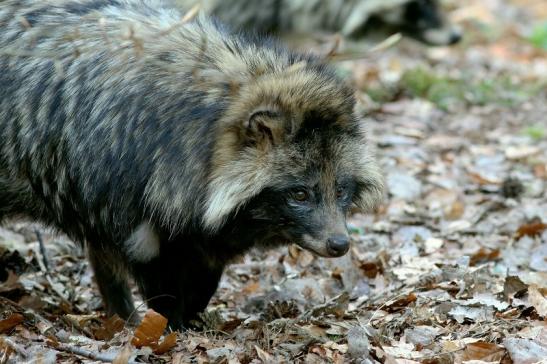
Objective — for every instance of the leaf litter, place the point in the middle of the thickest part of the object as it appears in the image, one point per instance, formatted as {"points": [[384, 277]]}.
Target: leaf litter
{"points": [[452, 268]]}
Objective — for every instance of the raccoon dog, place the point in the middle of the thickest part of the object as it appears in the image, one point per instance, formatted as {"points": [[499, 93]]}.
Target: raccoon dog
{"points": [[169, 147], [420, 19]]}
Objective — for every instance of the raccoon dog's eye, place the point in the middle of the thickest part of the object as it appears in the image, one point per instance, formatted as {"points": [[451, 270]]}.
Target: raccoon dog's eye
{"points": [[340, 193], [301, 196]]}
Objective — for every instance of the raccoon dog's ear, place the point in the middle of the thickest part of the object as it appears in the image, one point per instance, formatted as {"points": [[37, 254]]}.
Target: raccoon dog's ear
{"points": [[265, 128]]}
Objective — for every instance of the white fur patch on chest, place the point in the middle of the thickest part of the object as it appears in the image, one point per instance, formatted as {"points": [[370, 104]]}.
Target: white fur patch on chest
{"points": [[143, 245]]}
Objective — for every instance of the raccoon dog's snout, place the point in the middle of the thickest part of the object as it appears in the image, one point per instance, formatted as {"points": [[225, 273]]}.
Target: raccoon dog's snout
{"points": [[338, 245]]}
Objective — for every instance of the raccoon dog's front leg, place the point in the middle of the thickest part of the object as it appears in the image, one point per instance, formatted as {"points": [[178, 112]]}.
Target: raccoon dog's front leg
{"points": [[112, 281], [179, 282]]}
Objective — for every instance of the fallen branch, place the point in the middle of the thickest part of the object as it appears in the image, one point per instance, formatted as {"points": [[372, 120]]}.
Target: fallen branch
{"points": [[104, 357]]}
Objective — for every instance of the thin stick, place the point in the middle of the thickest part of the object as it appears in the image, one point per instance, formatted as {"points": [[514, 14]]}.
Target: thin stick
{"points": [[106, 358], [42, 249], [145, 302], [383, 45]]}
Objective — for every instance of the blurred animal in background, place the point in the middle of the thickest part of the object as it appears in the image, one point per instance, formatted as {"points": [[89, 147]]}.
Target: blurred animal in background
{"points": [[423, 20]]}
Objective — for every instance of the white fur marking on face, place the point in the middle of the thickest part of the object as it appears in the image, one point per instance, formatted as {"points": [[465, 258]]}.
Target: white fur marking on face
{"points": [[236, 184], [143, 245]]}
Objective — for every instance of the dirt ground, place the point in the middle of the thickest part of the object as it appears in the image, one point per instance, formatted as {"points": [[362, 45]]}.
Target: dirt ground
{"points": [[452, 268]]}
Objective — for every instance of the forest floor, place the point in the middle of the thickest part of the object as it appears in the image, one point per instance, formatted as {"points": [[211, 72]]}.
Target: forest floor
{"points": [[452, 268]]}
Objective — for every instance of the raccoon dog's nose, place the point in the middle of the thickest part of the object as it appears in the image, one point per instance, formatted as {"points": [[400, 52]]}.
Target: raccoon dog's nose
{"points": [[338, 245]]}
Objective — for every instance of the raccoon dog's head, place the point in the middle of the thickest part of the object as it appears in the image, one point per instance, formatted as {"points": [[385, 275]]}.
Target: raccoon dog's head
{"points": [[423, 20], [292, 159]]}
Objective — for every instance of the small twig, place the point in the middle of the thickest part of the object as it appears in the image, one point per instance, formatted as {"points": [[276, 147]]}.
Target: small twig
{"points": [[253, 265], [145, 302], [58, 292], [383, 45], [387, 43], [335, 47], [42, 249], [104, 357]]}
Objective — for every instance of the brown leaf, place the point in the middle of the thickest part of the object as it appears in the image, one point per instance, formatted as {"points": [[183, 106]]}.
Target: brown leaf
{"points": [[251, 288], [319, 350], [150, 330], [483, 351], [532, 229], [123, 356], [10, 322], [484, 255], [109, 328], [455, 211], [371, 269], [512, 286], [400, 303], [231, 325], [294, 251], [337, 273], [149, 333], [80, 321], [12, 288], [167, 344]]}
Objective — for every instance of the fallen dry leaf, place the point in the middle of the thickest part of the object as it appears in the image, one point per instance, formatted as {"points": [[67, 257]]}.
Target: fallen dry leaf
{"points": [[231, 325], [167, 344], [371, 269], [10, 322], [455, 211], [110, 327], [486, 352], [400, 303], [512, 286], [80, 321], [123, 356], [264, 356], [12, 287], [150, 331], [484, 255], [251, 288], [537, 298], [532, 229]]}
